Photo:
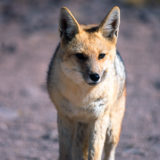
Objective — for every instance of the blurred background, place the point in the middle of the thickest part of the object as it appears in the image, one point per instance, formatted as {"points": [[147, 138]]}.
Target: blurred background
{"points": [[28, 37]]}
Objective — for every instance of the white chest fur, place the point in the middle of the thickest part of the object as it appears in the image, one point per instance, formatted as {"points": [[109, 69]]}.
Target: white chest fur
{"points": [[89, 110]]}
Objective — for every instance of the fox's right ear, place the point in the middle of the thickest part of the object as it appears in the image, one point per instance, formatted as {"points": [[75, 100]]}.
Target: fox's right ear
{"points": [[68, 26]]}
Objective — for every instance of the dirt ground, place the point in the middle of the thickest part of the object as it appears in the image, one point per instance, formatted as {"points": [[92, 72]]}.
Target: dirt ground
{"points": [[28, 37]]}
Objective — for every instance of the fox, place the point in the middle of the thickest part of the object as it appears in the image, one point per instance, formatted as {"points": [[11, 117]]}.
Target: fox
{"points": [[86, 82]]}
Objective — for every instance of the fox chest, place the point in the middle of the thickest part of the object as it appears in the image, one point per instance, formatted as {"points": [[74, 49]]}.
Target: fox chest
{"points": [[83, 109]]}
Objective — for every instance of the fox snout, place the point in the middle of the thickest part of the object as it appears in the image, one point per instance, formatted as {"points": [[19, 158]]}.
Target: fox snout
{"points": [[93, 78]]}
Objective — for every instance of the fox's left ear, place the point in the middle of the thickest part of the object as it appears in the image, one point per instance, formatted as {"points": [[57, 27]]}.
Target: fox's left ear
{"points": [[110, 25]]}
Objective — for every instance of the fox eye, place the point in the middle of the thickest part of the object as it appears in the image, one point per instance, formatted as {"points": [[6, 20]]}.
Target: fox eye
{"points": [[81, 56], [101, 55]]}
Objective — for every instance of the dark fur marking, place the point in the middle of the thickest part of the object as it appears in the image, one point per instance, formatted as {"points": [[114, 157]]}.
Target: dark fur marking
{"points": [[92, 29], [67, 37], [123, 83], [81, 128], [118, 53], [98, 99], [51, 63]]}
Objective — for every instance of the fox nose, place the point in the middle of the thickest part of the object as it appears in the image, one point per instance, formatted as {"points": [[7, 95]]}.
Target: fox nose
{"points": [[94, 77]]}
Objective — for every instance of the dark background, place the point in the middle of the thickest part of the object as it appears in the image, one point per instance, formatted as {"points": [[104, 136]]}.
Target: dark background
{"points": [[28, 37]]}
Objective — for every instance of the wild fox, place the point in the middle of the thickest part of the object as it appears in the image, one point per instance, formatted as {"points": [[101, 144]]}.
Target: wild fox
{"points": [[86, 82]]}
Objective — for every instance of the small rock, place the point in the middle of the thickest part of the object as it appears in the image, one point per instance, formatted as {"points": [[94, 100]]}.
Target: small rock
{"points": [[157, 85], [8, 113], [154, 139], [8, 48]]}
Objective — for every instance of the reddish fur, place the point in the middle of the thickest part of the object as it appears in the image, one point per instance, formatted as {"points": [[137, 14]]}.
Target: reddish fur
{"points": [[84, 127]]}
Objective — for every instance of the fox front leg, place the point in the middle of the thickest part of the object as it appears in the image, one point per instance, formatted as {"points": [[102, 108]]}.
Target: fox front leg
{"points": [[65, 130], [113, 132], [97, 138], [80, 142], [109, 151]]}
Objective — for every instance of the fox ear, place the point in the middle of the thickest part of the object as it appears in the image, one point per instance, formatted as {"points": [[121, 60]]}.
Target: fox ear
{"points": [[110, 25], [68, 26]]}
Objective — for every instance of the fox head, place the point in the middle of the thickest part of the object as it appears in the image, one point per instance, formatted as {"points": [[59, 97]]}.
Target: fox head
{"points": [[87, 52]]}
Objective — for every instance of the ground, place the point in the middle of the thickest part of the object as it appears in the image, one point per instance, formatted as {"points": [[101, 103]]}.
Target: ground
{"points": [[28, 37]]}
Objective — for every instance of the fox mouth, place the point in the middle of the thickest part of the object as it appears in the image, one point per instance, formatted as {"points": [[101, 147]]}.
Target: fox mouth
{"points": [[93, 83]]}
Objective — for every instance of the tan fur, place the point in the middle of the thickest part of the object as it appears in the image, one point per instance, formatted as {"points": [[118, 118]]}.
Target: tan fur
{"points": [[89, 116]]}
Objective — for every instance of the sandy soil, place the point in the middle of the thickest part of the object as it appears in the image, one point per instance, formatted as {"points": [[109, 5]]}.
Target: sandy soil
{"points": [[28, 37]]}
